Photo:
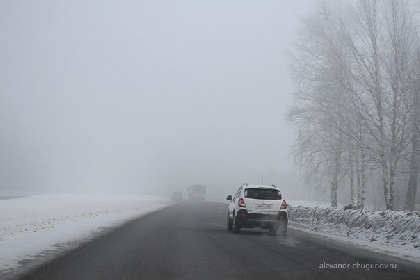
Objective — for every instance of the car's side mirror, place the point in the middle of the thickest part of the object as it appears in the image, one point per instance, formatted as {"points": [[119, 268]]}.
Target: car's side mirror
{"points": [[229, 197]]}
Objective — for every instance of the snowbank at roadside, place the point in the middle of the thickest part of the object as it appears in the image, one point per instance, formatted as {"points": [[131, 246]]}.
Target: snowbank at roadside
{"points": [[393, 232], [308, 203], [31, 226]]}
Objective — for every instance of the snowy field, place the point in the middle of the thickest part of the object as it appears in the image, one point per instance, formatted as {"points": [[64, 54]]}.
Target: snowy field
{"points": [[39, 225], [396, 233]]}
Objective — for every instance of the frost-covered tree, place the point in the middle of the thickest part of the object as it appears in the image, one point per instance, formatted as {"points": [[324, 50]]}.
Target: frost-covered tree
{"points": [[319, 112], [354, 69]]}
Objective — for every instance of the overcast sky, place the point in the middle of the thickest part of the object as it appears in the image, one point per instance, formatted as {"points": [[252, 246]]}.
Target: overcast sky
{"points": [[126, 95]]}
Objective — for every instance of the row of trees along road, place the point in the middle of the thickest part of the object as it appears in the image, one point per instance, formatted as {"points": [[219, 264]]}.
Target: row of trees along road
{"points": [[356, 106]]}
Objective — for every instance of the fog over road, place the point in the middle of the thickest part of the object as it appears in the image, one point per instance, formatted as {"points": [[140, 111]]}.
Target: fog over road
{"points": [[189, 240]]}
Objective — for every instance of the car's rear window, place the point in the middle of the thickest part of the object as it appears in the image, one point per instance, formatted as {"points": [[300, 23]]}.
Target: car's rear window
{"points": [[261, 193]]}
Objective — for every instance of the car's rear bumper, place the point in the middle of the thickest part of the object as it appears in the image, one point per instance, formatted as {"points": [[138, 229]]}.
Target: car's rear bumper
{"points": [[258, 219]]}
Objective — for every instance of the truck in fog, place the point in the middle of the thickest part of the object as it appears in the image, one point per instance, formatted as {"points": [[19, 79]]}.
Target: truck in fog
{"points": [[197, 192]]}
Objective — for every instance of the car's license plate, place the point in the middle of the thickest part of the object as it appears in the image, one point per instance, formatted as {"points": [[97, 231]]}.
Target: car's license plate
{"points": [[262, 206]]}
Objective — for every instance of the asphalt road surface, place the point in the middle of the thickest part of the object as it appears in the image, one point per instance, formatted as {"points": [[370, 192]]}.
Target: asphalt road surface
{"points": [[191, 241]]}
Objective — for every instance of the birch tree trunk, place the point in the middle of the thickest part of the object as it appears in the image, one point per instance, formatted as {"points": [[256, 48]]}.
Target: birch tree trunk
{"points": [[353, 191], [336, 167], [334, 187], [363, 175], [415, 153], [358, 179]]}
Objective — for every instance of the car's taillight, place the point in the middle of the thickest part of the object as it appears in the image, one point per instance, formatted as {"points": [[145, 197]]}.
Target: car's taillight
{"points": [[283, 205], [241, 202]]}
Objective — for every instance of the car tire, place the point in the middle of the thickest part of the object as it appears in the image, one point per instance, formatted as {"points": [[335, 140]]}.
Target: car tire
{"points": [[283, 227], [236, 228], [274, 229], [229, 223]]}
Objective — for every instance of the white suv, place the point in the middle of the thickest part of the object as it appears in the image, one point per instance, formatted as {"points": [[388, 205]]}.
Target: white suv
{"points": [[257, 206]]}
